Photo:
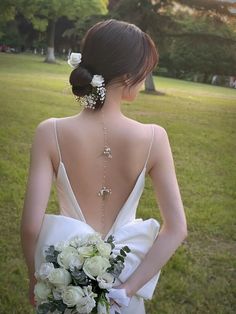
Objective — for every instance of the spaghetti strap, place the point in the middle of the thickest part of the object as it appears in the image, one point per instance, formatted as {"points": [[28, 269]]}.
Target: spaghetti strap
{"points": [[58, 147], [150, 146]]}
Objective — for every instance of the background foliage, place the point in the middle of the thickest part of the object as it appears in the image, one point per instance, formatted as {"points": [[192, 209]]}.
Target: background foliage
{"points": [[196, 39]]}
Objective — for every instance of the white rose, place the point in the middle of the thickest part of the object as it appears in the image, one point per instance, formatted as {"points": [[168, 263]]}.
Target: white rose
{"points": [[77, 241], [72, 295], [86, 251], [59, 277], [75, 59], [101, 308], [104, 249], [97, 80], [65, 256], [87, 307], [41, 291], [105, 281], [94, 238], [87, 303], [76, 261], [88, 291], [95, 266], [44, 271]]}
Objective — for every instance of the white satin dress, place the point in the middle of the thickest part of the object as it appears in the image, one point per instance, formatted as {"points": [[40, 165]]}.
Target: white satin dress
{"points": [[138, 234]]}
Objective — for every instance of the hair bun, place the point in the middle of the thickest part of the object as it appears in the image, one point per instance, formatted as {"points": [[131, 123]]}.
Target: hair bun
{"points": [[80, 79]]}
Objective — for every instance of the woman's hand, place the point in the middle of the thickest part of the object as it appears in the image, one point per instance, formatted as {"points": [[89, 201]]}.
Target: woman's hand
{"points": [[112, 302], [32, 283], [118, 298], [115, 308]]}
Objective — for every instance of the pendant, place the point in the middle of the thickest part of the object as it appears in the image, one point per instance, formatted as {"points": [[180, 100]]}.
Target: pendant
{"points": [[104, 191], [107, 152]]}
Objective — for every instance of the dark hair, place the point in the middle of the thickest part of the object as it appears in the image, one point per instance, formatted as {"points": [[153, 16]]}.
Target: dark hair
{"points": [[113, 48]]}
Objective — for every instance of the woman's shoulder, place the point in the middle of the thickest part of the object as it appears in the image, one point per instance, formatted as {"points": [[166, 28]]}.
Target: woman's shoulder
{"points": [[159, 139], [44, 123], [45, 131], [159, 131], [45, 127], [43, 134], [48, 123], [160, 136]]}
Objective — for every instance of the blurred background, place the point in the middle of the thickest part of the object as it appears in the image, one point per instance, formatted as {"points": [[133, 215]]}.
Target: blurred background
{"points": [[196, 38]]}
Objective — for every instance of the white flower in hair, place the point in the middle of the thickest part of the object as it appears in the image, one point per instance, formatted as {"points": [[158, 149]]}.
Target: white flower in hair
{"points": [[75, 59], [97, 80]]}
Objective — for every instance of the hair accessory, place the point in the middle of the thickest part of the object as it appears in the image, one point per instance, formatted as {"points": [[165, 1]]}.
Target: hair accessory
{"points": [[75, 59], [98, 91]]}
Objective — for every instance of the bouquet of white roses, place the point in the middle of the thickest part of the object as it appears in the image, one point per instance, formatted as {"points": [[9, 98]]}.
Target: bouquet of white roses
{"points": [[77, 275]]}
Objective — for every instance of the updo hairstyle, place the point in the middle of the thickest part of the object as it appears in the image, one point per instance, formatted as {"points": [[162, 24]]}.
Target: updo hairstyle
{"points": [[113, 48]]}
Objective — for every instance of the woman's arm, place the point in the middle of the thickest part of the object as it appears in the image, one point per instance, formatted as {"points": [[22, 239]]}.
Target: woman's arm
{"points": [[174, 228], [37, 192]]}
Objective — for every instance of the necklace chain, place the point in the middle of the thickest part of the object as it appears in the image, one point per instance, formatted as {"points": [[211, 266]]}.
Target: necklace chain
{"points": [[104, 191]]}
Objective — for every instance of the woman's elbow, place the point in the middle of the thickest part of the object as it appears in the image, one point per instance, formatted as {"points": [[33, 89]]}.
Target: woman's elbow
{"points": [[182, 230], [28, 230], [179, 232]]}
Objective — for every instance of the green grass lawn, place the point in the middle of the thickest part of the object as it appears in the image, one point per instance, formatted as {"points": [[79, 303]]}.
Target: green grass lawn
{"points": [[200, 121]]}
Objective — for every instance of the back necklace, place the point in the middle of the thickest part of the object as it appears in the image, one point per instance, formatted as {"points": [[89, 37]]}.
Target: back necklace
{"points": [[105, 191]]}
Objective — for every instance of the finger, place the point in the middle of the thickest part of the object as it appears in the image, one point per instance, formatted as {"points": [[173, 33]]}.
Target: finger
{"points": [[114, 302]]}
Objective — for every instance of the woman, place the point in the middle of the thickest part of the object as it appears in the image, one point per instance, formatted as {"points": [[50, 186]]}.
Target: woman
{"points": [[103, 189]]}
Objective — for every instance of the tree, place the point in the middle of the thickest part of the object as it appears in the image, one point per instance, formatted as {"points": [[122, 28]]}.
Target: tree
{"points": [[221, 7], [7, 13], [145, 14], [158, 18], [79, 28], [44, 14], [206, 51]]}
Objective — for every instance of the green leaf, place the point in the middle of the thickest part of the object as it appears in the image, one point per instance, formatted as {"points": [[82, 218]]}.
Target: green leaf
{"points": [[110, 239], [60, 306], [43, 308], [120, 258], [122, 252], [50, 249], [51, 255], [126, 248], [80, 277]]}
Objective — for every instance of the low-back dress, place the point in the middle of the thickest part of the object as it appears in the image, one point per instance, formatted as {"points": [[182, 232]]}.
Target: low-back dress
{"points": [[138, 234]]}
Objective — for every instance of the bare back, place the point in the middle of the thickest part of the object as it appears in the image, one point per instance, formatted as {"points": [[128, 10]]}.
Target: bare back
{"points": [[78, 145]]}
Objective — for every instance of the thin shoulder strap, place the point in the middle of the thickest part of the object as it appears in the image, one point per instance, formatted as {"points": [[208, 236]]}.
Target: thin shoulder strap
{"points": [[150, 146], [58, 147]]}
